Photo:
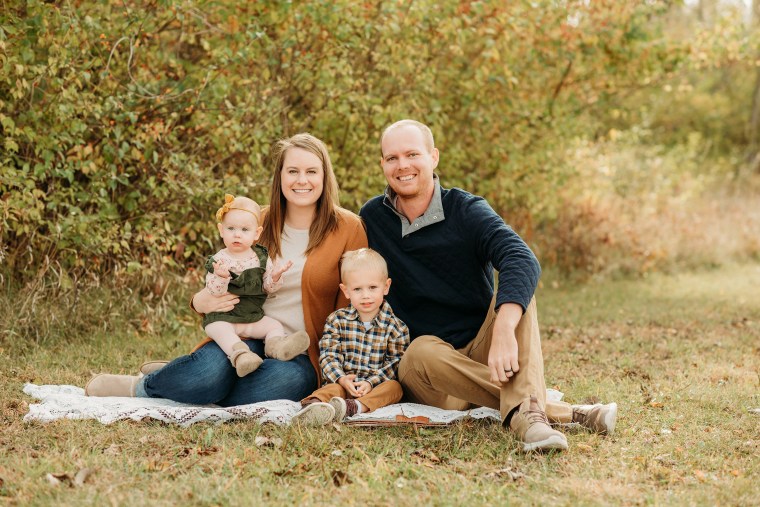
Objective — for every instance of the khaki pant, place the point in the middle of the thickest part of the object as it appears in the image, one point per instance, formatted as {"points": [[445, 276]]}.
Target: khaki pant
{"points": [[432, 372], [384, 394]]}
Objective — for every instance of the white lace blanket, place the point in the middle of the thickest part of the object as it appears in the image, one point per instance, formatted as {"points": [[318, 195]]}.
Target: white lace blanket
{"points": [[69, 402]]}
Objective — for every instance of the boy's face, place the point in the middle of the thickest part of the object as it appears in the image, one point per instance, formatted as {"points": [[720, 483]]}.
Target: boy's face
{"points": [[239, 230], [365, 288]]}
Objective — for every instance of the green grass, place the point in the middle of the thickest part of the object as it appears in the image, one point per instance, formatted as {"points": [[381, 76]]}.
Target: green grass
{"points": [[680, 354]]}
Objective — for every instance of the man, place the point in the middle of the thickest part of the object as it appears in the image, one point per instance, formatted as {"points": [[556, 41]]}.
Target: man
{"points": [[469, 346]]}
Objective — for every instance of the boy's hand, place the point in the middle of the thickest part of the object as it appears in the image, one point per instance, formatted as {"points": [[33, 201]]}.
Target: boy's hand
{"points": [[221, 270], [362, 388], [347, 383], [277, 271]]}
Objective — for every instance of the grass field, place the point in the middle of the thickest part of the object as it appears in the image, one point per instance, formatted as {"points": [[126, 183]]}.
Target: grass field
{"points": [[680, 354]]}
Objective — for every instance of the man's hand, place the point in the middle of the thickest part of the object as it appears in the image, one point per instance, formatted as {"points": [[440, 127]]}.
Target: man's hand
{"points": [[277, 271], [205, 302], [502, 357]]}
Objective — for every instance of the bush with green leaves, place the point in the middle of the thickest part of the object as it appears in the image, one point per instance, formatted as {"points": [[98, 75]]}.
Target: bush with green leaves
{"points": [[124, 123]]}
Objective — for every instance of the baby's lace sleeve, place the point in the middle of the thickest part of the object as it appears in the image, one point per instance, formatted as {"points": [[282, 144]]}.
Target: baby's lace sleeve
{"points": [[270, 285]]}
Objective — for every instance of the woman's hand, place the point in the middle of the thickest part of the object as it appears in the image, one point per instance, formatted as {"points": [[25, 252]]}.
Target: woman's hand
{"points": [[205, 302]]}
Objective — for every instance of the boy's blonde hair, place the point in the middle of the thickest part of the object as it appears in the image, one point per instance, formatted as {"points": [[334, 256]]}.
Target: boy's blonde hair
{"points": [[242, 203], [362, 258]]}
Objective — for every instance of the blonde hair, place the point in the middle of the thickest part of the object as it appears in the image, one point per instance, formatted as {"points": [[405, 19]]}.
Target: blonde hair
{"points": [[326, 217], [240, 203], [363, 258], [427, 134]]}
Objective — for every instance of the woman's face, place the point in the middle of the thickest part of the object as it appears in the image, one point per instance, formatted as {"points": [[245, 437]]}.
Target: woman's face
{"points": [[302, 178]]}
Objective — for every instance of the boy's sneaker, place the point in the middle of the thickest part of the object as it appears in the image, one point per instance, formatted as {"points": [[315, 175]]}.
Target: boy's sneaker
{"points": [[343, 408], [597, 418], [532, 428], [315, 414]]}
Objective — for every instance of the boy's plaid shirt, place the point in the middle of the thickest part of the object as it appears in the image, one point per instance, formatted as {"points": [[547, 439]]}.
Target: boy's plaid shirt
{"points": [[371, 354]]}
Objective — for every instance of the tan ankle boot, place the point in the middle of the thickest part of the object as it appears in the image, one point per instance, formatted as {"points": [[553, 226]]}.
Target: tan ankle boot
{"points": [[244, 360], [151, 366], [597, 418], [286, 348], [532, 428], [111, 385]]}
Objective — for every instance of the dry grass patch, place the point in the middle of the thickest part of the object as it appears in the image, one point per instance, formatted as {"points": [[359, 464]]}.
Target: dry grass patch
{"points": [[678, 353]]}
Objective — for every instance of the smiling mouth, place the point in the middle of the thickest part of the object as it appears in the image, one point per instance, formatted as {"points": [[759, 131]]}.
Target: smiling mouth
{"points": [[301, 190], [408, 177]]}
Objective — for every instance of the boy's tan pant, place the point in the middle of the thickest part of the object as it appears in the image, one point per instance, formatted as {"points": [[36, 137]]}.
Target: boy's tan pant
{"points": [[384, 394], [434, 373]]}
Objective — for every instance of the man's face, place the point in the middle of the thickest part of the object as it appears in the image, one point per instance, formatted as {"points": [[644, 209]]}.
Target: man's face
{"points": [[407, 163]]}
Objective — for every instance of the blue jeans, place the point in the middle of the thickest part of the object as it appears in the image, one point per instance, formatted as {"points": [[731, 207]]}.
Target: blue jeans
{"points": [[206, 376]]}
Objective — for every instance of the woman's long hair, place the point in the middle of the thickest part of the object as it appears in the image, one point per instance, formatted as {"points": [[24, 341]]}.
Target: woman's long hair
{"points": [[326, 215]]}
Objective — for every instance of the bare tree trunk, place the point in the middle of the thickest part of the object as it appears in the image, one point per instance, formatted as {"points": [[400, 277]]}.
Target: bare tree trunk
{"points": [[754, 120]]}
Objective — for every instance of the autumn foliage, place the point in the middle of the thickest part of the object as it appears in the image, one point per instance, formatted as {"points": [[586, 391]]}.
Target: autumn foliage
{"points": [[125, 122]]}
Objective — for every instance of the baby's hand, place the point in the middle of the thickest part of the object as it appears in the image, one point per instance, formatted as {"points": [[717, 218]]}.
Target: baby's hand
{"points": [[277, 271], [221, 270], [362, 388]]}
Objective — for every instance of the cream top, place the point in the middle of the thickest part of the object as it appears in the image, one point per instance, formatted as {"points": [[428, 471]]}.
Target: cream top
{"points": [[287, 305]]}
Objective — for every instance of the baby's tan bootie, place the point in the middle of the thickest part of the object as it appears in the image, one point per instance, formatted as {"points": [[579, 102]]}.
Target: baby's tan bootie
{"points": [[286, 348], [244, 360]]}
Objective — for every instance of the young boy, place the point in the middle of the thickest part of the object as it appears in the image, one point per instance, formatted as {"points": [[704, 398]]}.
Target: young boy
{"points": [[360, 347]]}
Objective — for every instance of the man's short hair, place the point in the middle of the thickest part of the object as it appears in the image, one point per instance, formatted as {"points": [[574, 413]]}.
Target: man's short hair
{"points": [[363, 258], [427, 134]]}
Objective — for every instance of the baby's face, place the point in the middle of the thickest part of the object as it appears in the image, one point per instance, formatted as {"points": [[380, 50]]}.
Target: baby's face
{"points": [[239, 230], [366, 288]]}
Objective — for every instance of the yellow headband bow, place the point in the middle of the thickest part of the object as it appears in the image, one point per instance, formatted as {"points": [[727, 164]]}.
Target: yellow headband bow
{"points": [[228, 199]]}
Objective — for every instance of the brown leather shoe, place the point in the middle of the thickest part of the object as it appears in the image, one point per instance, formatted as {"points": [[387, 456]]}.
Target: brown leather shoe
{"points": [[106, 384], [532, 428]]}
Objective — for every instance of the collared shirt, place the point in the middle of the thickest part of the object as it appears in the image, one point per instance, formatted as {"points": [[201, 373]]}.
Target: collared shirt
{"points": [[433, 214], [372, 354]]}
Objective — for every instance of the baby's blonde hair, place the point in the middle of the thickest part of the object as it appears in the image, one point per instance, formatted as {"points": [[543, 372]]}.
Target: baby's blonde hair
{"points": [[242, 203], [362, 258]]}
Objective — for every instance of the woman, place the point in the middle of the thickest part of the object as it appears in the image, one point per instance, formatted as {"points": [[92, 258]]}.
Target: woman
{"points": [[305, 225]]}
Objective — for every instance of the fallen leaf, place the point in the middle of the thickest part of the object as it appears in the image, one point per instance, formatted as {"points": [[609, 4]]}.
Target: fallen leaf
{"points": [[700, 475], [58, 479], [81, 477], [205, 451], [267, 442], [585, 448], [112, 450], [735, 473], [509, 472], [340, 478], [656, 404]]}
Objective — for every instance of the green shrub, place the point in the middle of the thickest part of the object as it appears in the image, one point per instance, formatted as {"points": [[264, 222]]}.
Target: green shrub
{"points": [[124, 123]]}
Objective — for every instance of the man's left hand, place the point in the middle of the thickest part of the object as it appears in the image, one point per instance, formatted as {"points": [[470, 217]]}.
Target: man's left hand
{"points": [[502, 357]]}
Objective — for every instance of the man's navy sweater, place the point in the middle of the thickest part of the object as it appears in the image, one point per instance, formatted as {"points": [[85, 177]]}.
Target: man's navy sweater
{"points": [[442, 273]]}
